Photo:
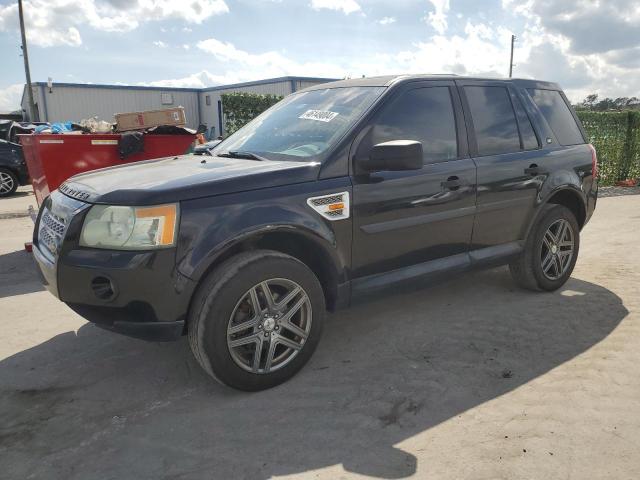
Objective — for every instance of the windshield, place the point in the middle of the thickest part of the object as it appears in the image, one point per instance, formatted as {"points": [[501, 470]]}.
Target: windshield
{"points": [[303, 126]]}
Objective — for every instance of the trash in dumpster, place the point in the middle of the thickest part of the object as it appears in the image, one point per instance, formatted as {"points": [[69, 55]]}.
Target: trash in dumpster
{"points": [[60, 127], [150, 118], [60, 150], [130, 143], [93, 125]]}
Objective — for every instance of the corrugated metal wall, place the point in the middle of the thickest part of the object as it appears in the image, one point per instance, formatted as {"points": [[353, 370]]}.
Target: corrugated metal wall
{"points": [[75, 103], [210, 112]]}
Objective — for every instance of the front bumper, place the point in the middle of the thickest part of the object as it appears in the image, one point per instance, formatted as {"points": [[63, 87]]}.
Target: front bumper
{"points": [[139, 294]]}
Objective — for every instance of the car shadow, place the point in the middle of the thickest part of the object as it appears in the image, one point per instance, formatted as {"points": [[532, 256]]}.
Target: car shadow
{"points": [[20, 193], [18, 274], [92, 404]]}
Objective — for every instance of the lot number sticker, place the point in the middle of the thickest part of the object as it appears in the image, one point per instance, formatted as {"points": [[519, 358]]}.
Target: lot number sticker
{"points": [[319, 115]]}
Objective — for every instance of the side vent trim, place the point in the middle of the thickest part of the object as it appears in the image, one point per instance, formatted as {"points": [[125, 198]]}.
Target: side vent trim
{"points": [[333, 206]]}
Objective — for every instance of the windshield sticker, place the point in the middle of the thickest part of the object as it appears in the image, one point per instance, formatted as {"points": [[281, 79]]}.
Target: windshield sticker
{"points": [[319, 115]]}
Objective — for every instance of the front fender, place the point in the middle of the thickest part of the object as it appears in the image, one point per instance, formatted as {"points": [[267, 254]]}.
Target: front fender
{"points": [[209, 227]]}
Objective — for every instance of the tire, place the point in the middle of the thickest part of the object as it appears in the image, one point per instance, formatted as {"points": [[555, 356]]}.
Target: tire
{"points": [[545, 264], [8, 182], [225, 303]]}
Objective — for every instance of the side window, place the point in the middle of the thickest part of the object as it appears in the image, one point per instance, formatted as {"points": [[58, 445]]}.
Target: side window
{"points": [[529, 139], [558, 116], [425, 115], [493, 120]]}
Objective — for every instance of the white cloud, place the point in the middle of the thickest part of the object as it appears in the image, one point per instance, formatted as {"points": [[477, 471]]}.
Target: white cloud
{"points": [[438, 18], [481, 49], [10, 97], [387, 20], [346, 6], [56, 22], [587, 47], [197, 80], [160, 44]]}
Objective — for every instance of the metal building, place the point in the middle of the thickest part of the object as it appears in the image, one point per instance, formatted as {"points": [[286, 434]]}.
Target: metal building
{"points": [[74, 101]]}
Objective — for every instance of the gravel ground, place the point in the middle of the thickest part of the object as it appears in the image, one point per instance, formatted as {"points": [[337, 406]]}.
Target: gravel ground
{"points": [[473, 378]]}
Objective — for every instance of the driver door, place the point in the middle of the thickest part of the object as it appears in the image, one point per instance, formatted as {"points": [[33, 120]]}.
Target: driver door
{"points": [[409, 218]]}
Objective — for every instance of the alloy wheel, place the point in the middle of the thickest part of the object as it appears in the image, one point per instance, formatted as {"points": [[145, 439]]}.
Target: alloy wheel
{"points": [[557, 249], [6, 183], [269, 325]]}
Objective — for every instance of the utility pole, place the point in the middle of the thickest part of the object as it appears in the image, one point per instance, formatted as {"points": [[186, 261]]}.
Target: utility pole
{"points": [[25, 56], [513, 40]]}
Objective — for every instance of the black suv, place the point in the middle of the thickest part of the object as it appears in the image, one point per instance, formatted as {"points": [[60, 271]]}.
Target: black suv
{"points": [[336, 193]]}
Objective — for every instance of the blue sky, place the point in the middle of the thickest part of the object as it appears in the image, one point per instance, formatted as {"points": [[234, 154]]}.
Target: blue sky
{"points": [[584, 45]]}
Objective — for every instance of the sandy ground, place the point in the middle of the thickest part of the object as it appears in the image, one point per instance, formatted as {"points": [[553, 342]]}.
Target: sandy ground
{"points": [[473, 378], [17, 204]]}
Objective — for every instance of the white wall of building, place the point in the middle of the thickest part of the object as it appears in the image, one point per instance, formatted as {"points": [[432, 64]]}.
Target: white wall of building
{"points": [[74, 102]]}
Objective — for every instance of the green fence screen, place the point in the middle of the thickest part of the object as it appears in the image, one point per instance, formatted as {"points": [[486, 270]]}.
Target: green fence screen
{"points": [[616, 136]]}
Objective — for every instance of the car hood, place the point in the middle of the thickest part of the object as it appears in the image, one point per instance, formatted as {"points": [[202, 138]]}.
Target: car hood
{"points": [[183, 178]]}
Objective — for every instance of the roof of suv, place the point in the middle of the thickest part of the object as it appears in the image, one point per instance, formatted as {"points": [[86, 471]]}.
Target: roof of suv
{"points": [[388, 80]]}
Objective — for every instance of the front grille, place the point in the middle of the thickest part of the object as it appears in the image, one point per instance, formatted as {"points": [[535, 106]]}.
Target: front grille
{"points": [[51, 233]]}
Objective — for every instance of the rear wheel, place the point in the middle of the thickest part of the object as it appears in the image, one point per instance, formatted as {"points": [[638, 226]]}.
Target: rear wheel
{"points": [[8, 182], [550, 252], [256, 320]]}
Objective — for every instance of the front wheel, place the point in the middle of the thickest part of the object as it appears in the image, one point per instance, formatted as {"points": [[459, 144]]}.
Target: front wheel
{"points": [[550, 251], [256, 320]]}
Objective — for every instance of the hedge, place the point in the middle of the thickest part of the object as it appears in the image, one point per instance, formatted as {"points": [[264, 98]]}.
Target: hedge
{"points": [[241, 107], [616, 136]]}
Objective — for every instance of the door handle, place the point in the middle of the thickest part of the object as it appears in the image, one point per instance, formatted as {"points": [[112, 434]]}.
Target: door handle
{"points": [[452, 183], [534, 170]]}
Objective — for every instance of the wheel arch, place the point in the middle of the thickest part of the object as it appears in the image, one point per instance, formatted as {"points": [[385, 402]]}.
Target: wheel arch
{"points": [[315, 252], [571, 198], [567, 196]]}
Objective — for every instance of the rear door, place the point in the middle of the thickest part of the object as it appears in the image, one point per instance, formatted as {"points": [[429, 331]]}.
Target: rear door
{"points": [[409, 217], [511, 165]]}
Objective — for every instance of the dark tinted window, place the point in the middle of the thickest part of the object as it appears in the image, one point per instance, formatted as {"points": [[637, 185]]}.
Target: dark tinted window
{"points": [[558, 116], [425, 115], [493, 120], [529, 139]]}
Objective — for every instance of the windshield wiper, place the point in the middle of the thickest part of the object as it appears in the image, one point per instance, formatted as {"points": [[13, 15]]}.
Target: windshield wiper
{"points": [[241, 154]]}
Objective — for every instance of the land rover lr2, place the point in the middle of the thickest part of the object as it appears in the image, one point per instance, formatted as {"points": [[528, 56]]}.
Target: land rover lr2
{"points": [[335, 193]]}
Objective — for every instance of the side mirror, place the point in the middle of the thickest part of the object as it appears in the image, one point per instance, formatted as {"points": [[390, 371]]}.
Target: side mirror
{"points": [[395, 155]]}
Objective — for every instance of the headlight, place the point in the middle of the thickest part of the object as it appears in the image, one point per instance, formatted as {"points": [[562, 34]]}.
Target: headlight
{"points": [[130, 228]]}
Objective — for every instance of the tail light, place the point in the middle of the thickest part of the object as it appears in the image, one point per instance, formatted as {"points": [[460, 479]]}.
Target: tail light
{"points": [[594, 162]]}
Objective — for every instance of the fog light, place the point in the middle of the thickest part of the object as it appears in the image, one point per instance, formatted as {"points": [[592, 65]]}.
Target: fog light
{"points": [[103, 288]]}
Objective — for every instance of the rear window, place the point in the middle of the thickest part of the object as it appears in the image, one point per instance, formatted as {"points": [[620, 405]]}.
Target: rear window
{"points": [[556, 111], [494, 120]]}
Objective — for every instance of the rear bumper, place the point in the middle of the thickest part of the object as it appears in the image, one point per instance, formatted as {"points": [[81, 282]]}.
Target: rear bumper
{"points": [[592, 199]]}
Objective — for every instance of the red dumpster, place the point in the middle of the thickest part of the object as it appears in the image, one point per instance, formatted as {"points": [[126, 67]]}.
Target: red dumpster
{"points": [[51, 159]]}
